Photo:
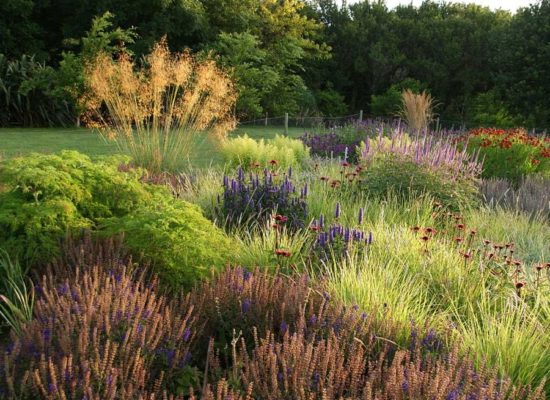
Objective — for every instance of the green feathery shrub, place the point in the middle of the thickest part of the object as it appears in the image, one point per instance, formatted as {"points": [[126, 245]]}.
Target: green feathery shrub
{"points": [[43, 198], [181, 244], [246, 152]]}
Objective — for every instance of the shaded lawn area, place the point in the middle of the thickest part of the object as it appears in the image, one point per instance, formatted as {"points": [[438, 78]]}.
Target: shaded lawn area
{"points": [[21, 141]]}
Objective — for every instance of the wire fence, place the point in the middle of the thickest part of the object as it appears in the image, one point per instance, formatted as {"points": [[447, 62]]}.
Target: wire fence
{"points": [[306, 122], [301, 121]]}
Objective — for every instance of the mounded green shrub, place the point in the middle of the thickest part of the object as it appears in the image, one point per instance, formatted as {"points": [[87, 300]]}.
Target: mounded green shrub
{"points": [[179, 241], [246, 152], [45, 197], [407, 179]]}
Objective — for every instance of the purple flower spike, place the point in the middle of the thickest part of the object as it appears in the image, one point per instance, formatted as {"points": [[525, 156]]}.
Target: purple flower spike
{"points": [[186, 334], [245, 307]]}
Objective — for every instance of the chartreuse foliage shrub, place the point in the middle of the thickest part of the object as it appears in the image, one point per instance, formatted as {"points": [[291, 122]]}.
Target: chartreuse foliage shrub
{"points": [[45, 197], [175, 236], [249, 153]]}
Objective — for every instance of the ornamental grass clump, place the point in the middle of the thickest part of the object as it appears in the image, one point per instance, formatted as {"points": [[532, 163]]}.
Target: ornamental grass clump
{"points": [[285, 337], [420, 165], [101, 334], [417, 109], [532, 195], [338, 240], [424, 150], [106, 333], [249, 199], [155, 111]]}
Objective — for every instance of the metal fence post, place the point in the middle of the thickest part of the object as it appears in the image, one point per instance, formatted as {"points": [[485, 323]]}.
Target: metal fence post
{"points": [[286, 124], [360, 115]]}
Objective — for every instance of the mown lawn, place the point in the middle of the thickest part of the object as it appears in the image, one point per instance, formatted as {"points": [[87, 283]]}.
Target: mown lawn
{"points": [[21, 141]]}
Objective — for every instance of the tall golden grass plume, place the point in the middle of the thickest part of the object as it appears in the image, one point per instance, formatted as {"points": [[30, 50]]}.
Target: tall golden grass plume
{"points": [[154, 111], [417, 109]]}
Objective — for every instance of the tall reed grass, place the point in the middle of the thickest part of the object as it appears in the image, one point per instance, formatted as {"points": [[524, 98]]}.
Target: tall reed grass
{"points": [[417, 109], [155, 111]]}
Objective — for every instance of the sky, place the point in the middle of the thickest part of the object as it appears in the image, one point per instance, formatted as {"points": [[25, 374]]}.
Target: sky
{"points": [[511, 5]]}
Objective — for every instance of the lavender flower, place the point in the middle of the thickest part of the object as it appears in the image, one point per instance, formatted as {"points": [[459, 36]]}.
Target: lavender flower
{"points": [[245, 306], [283, 327], [250, 199]]}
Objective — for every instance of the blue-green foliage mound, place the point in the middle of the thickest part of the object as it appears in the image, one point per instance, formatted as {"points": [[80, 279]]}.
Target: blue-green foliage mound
{"points": [[45, 197]]}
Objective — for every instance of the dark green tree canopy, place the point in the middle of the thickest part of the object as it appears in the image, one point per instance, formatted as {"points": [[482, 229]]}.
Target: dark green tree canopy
{"points": [[318, 56]]}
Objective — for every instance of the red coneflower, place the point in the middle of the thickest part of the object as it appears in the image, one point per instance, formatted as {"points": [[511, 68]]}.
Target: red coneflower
{"points": [[430, 231], [345, 164], [324, 178], [276, 226], [273, 162], [415, 228], [460, 226], [281, 218], [519, 285], [473, 232], [283, 253], [540, 267], [457, 239], [466, 255], [315, 228], [425, 238], [255, 164], [487, 242]]}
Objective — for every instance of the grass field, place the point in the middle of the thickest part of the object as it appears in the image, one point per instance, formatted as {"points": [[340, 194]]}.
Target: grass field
{"points": [[21, 141]]}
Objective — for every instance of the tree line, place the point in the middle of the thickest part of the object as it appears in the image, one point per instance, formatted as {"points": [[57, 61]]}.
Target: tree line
{"points": [[315, 57]]}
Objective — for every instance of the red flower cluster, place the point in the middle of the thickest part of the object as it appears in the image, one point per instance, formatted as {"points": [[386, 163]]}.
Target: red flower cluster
{"points": [[505, 138], [283, 253]]}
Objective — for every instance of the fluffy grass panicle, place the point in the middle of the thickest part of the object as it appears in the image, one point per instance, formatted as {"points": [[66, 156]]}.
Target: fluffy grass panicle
{"points": [[154, 112], [417, 109]]}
